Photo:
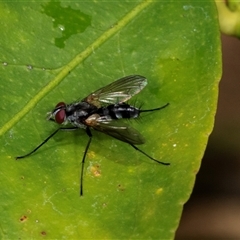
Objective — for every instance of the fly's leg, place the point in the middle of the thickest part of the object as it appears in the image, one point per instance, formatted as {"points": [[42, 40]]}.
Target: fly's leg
{"points": [[148, 155], [83, 160], [155, 109], [46, 140]]}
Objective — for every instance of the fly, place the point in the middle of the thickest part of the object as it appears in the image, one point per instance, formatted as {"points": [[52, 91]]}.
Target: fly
{"points": [[103, 110]]}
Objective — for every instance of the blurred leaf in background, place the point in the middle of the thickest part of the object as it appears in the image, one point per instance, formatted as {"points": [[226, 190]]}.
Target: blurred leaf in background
{"points": [[229, 17]]}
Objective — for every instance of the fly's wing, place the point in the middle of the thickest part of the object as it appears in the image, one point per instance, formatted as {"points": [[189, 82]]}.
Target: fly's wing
{"points": [[115, 128], [119, 91]]}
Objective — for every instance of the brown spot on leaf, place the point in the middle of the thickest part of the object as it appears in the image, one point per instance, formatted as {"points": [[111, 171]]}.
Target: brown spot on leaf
{"points": [[96, 170], [120, 187], [23, 218]]}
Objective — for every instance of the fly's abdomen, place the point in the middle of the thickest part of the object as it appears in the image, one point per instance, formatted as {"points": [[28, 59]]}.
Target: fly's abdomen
{"points": [[120, 110]]}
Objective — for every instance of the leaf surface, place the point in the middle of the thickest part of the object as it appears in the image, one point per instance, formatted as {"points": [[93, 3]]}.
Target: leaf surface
{"points": [[63, 51]]}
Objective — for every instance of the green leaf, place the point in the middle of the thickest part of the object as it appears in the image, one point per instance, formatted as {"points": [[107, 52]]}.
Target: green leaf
{"points": [[62, 51]]}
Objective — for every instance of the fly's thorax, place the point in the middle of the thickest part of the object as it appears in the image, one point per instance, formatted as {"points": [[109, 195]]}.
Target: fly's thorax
{"points": [[76, 118], [78, 112], [80, 109], [82, 105]]}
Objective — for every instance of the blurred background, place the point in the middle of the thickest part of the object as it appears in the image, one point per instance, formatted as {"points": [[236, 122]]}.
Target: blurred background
{"points": [[213, 210]]}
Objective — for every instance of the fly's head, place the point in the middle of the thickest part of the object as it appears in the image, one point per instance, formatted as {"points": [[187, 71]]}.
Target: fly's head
{"points": [[58, 114]]}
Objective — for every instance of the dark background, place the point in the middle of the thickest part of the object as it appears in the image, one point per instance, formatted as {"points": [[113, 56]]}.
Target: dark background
{"points": [[213, 210]]}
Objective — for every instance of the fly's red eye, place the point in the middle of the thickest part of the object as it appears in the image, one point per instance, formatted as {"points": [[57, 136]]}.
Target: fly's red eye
{"points": [[61, 114]]}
